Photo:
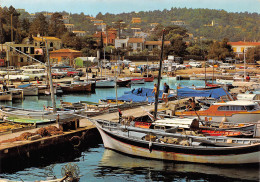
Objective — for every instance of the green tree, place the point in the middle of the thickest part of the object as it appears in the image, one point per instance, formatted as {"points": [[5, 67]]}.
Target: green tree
{"points": [[253, 54], [56, 26], [39, 25], [220, 50], [194, 50]]}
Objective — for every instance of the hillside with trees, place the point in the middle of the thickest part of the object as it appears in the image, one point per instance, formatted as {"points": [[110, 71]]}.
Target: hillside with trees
{"points": [[211, 30]]}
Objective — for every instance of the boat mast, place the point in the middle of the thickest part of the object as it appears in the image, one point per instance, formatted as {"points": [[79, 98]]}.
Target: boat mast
{"points": [[205, 71], [244, 65], [159, 78], [101, 46], [50, 79], [116, 68], [147, 67]]}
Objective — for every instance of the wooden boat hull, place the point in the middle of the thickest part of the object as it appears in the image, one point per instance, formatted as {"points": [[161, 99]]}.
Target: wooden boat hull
{"points": [[105, 84], [76, 88], [30, 91], [148, 79], [137, 81], [35, 114], [123, 83], [162, 151], [5, 96]]}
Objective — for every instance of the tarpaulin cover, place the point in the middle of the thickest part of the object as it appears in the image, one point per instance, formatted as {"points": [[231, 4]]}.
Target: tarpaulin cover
{"points": [[147, 92], [138, 95], [24, 86], [214, 93]]}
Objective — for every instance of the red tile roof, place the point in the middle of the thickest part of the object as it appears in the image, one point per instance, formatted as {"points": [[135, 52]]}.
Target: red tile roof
{"points": [[157, 43], [65, 51], [135, 40], [240, 43]]}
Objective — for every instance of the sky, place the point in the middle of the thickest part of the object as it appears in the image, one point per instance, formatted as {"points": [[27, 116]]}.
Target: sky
{"points": [[93, 7]]}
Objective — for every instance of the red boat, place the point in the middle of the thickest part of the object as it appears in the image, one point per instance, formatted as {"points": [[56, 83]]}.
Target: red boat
{"points": [[142, 124], [148, 79], [224, 133], [212, 85]]}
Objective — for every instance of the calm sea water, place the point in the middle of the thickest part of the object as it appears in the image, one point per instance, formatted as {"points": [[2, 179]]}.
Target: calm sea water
{"points": [[99, 164]]}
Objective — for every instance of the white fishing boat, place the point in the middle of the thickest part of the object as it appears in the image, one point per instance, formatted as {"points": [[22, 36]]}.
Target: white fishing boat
{"points": [[29, 90], [6, 96], [108, 83], [137, 81], [16, 93], [158, 144], [221, 81], [36, 114]]}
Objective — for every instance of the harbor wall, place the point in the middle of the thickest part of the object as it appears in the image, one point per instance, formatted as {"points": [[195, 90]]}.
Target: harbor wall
{"points": [[48, 150]]}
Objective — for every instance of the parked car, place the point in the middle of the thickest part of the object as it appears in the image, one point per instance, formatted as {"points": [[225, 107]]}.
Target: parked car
{"points": [[227, 66], [178, 66], [134, 69], [35, 74], [195, 64], [154, 67], [18, 77], [58, 73], [72, 72], [107, 65], [126, 62], [131, 64]]}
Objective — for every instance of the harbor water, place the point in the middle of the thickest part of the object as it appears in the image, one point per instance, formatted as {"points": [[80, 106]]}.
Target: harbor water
{"points": [[99, 164]]}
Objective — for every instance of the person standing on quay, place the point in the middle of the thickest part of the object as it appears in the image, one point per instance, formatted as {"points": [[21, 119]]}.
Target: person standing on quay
{"points": [[154, 89], [166, 90], [248, 78], [5, 86]]}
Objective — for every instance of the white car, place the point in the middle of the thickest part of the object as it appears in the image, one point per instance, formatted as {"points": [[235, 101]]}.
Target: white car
{"points": [[133, 69], [35, 74], [195, 64], [178, 66], [227, 66], [17, 77], [132, 64]]}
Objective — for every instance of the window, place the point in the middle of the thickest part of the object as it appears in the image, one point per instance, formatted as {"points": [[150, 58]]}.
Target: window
{"points": [[237, 108], [138, 45], [223, 108], [250, 108]]}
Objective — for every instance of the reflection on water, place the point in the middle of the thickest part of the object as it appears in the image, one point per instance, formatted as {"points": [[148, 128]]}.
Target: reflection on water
{"points": [[99, 164], [116, 163]]}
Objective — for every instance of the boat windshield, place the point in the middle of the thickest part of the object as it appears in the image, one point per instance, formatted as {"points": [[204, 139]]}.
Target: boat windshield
{"points": [[252, 107], [239, 108]]}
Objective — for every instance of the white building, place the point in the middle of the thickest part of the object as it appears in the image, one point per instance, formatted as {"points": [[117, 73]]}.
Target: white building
{"points": [[121, 43]]}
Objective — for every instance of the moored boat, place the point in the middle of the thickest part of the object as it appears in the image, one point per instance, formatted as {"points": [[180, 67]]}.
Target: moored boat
{"points": [[148, 79], [123, 82], [35, 114], [29, 90], [154, 144], [105, 83], [6, 96], [76, 88], [137, 81], [17, 93], [232, 111]]}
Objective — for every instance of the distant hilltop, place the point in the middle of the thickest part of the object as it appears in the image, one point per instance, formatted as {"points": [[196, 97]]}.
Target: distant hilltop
{"points": [[212, 24]]}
